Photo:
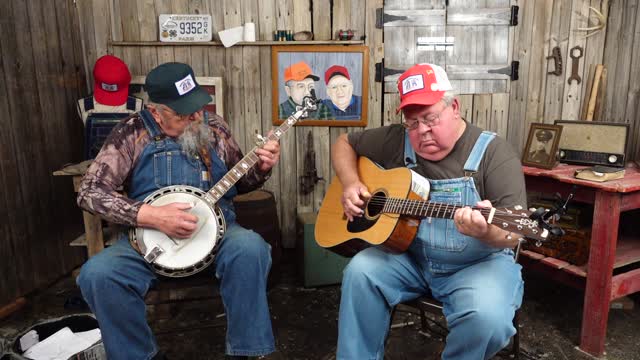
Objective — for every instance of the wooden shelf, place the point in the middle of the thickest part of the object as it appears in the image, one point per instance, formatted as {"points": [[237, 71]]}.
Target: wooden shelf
{"points": [[627, 252], [256, 43]]}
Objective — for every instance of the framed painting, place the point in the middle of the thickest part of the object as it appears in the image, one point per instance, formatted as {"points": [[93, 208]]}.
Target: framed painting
{"points": [[213, 85], [542, 146], [337, 75]]}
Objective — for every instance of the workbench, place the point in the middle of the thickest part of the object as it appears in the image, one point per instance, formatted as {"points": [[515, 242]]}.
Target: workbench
{"points": [[607, 252]]}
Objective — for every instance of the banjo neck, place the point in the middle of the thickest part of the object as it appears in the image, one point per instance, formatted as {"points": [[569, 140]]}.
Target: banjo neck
{"points": [[250, 159]]}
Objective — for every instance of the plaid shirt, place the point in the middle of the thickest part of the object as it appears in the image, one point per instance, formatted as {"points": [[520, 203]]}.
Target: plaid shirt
{"points": [[288, 107]]}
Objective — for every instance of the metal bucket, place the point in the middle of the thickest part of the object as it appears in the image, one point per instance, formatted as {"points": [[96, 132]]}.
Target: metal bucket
{"points": [[46, 328]]}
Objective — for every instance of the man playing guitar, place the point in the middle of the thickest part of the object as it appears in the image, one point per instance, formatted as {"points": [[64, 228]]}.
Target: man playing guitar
{"points": [[465, 262]]}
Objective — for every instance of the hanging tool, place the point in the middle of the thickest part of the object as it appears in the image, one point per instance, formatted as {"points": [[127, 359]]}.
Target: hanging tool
{"points": [[575, 60], [310, 176], [557, 61]]}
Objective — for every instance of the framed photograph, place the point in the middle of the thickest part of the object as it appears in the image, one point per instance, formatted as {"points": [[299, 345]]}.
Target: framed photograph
{"points": [[337, 74], [212, 84], [542, 146]]}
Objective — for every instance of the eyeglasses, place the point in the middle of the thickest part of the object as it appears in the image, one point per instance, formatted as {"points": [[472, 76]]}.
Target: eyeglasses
{"points": [[430, 120], [173, 113]]}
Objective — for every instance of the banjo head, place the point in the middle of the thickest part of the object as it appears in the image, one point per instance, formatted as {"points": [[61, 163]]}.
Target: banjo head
{"points": [[183, 257]]}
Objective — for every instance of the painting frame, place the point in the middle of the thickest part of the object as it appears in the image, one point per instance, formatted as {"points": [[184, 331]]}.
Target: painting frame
{"points": [[324, 62], [542, 152], [212, 84]]}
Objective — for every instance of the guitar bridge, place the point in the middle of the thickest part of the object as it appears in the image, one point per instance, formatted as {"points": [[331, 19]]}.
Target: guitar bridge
{"points": [[153, 254]]}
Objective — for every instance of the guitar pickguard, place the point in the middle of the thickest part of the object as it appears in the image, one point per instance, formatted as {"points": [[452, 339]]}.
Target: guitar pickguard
{"points": [[360, 224]]}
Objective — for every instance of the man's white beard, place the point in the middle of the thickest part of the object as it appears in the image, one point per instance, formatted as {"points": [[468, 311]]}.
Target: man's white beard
{"points": [[195, 137]]}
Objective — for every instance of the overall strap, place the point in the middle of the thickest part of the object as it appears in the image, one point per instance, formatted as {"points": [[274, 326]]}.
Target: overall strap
{"points": [[477, 153], [152, 126], [409, 153], [131, 103], [88, 103]]}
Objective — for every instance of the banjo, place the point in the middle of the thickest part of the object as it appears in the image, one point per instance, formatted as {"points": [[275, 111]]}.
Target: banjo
{"points": [[184, 257]]}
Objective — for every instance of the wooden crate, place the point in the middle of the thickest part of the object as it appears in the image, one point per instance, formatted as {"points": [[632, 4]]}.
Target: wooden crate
{"points": [[578, 215], [573, 247]]}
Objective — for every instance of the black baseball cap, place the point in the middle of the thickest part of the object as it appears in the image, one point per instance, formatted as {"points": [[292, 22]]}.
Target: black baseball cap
{"points": [[174, 84]]}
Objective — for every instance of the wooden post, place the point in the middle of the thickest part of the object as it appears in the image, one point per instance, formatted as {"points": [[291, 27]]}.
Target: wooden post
{"points": [[601, 99], [588, 91], [10, 308], [602, 253], [93, 233], [594, 93]]}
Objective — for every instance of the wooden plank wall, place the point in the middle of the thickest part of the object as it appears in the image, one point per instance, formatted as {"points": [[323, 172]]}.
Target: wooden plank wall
{"points": [[41, 76], [536, 97], [246, 70], [51, 46], [542, 97]]}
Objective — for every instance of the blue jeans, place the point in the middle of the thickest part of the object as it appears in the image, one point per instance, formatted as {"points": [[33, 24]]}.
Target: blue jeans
{"points": [[479, 301], [115, 281]]}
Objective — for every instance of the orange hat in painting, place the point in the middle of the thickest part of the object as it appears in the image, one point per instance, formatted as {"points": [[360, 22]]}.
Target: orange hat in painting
{"points": [[298, 72]]}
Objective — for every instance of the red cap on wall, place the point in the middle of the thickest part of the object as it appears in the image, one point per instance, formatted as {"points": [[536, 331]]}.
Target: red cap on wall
{"points": [[111, 81]]}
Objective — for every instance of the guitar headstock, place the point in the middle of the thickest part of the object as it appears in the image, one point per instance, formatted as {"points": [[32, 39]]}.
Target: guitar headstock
{"points": [[532, 225]]}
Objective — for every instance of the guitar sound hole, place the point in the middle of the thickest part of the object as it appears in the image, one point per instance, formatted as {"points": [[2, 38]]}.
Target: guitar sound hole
{"points": [[376, 204], [374, 209]]}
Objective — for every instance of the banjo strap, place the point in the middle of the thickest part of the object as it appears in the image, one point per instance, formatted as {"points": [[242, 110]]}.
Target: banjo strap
{"points": [[206, 157]]}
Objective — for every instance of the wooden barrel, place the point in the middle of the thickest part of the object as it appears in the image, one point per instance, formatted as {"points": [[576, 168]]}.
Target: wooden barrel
{"points": [[257, 210]]}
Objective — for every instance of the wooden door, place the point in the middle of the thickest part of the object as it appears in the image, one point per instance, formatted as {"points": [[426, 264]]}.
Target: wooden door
{"points": [[472, 40]]}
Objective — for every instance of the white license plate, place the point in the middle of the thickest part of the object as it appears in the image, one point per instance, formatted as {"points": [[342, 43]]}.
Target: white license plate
{"points": [[185, 28]]}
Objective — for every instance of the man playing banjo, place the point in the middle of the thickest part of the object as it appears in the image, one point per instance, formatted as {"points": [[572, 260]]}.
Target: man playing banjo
{"points": [[172, 143]]}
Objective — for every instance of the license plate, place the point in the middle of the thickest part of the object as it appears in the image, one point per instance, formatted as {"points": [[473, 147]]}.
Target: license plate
{"points": [[185, 28]]}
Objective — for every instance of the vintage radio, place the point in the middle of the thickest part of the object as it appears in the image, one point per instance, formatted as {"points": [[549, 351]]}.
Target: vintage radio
{"points": [[593, 143]]}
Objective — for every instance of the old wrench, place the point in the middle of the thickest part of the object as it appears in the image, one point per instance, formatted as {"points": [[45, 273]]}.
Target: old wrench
{"points": [[574, 63]]}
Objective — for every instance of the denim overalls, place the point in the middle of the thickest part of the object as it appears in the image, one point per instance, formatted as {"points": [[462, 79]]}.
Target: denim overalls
{"points": [[479, 286], [115, 281]]}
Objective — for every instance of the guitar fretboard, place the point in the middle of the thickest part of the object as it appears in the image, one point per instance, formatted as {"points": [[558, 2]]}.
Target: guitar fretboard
{"points": [[424, 209], [249, 160]]}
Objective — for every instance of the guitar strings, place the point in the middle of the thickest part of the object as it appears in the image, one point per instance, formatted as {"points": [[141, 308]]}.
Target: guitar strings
{"points": [[381, 201]]}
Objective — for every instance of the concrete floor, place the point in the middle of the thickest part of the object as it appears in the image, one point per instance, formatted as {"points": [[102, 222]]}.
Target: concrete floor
{"points": [[305, 323]]}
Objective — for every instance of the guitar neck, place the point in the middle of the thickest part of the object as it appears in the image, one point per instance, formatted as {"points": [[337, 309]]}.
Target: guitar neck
{"points": [[424, 209], [249, 160]]}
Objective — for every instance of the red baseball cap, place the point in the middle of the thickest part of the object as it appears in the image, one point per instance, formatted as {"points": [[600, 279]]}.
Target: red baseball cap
{"points": [[422, 84], [298, 72], [335, 70], [111, 81]]}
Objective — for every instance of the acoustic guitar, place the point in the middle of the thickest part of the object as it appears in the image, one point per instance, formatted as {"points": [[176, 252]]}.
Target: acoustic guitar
{"points": [[392, 214]]}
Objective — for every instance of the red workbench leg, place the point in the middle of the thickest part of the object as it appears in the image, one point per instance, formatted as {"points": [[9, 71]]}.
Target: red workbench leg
{"points": [[602, 254]]}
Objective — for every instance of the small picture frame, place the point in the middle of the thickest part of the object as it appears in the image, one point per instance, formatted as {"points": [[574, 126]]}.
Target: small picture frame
{"points": [[542, 146]]}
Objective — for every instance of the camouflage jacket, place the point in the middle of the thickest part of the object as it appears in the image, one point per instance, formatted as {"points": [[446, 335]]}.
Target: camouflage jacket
{"points": [[101, 188]]}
